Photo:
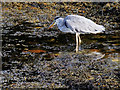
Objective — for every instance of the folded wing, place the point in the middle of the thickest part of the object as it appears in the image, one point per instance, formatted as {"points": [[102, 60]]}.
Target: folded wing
{"points": [[82, 25]]}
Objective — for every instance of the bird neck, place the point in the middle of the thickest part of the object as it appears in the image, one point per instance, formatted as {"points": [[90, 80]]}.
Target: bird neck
{"points": [[60, 22]]}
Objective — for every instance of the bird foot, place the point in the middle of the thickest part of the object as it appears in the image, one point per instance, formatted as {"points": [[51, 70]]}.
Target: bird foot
{"points": [[78, 49]]}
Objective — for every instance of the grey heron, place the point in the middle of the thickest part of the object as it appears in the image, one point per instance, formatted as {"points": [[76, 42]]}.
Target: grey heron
{"points": [[78, 25]]}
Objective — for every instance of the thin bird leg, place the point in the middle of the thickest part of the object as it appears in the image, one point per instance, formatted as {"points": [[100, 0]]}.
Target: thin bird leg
{"points": [[79, 39], [77, 42]]}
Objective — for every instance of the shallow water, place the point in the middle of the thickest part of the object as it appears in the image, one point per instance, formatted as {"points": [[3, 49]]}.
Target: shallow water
{"points": [[23, 42]]}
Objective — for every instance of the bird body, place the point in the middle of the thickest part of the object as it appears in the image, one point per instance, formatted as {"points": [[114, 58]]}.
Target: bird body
{"points": [[78, 25]]}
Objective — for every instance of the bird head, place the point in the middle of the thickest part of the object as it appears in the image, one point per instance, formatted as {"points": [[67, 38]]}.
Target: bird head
{"points": [[54, 22]]}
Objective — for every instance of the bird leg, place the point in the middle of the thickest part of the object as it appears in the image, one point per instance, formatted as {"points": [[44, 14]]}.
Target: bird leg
{"points": [[78, 41]]}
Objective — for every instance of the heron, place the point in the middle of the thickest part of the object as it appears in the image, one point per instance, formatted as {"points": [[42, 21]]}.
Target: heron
{"points": [[77, 24]]}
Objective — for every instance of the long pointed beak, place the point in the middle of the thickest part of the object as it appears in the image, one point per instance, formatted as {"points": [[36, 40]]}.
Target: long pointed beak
{"points": [[51, 25]]}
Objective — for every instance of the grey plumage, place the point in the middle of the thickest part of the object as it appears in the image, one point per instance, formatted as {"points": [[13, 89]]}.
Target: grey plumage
{"points": [[78, 24]]}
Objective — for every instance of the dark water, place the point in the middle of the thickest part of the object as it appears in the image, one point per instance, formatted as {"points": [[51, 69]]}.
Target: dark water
{"points": [[105, 43]]}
